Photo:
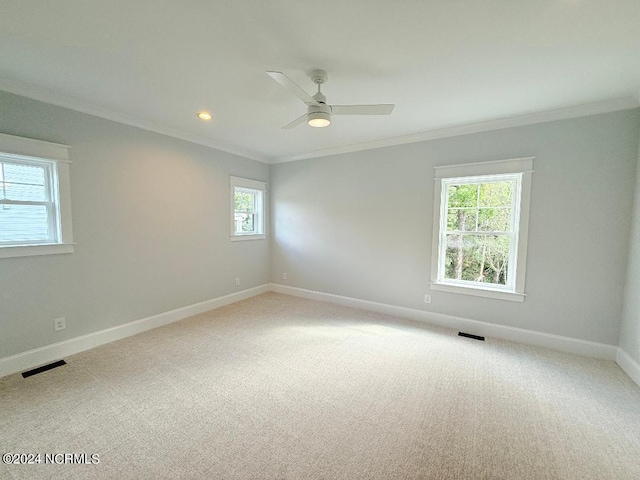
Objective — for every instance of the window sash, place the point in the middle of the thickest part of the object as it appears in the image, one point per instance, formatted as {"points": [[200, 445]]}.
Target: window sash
{"points": [[490, 285], [254, 195]]}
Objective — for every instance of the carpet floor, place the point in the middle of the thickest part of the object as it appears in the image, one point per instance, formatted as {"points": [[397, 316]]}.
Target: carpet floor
{"points": [[287, 388]]}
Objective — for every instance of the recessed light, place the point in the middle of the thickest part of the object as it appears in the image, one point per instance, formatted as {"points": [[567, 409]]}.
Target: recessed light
{"points": [[204, 116]]}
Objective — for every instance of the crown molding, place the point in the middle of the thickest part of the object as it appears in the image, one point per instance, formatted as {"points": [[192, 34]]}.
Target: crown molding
{"points": [[75, 104], [564, 113]]}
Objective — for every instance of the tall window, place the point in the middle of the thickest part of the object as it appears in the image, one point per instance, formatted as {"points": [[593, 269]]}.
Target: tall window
{"points": [[247, 209], [34, 198], [481, 230]]}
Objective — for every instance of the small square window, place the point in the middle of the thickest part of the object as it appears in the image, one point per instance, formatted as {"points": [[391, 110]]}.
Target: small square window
{"points": [[247, 209]]}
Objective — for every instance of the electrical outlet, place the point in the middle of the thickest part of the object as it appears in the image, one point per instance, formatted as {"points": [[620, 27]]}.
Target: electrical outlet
{"points": [[59, 324], [237, 282], [284, 275], [427, 299]]}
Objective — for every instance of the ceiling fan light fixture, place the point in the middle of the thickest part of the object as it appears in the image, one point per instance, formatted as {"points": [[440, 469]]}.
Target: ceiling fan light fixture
{"points": [[319, 119], [319, 112]]}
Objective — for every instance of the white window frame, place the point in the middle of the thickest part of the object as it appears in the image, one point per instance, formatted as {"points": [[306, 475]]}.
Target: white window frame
{"points": [[519, 171], [55, 158], [260, 214]]}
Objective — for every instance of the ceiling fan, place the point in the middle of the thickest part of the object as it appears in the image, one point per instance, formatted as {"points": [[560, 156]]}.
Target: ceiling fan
{"points": [[318, 111]]}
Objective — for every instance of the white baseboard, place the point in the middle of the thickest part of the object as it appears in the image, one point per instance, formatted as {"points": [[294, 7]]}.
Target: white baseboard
{"points": [[514, 334], [49, 353], [629, 365]]}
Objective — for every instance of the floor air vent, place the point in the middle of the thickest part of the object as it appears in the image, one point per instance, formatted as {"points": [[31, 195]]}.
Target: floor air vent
{"points": [[44, 368], [468, 335]]}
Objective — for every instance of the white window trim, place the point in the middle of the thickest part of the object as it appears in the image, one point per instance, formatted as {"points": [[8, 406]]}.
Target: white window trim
{"points": [[254, 185], [523, 166], [40, 150]]}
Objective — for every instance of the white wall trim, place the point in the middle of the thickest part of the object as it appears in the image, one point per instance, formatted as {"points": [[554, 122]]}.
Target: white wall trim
{"points": [[49, 353], [514, 334], [32, 147], [628, 365], [77, 105], [11, 251], [573, 111]]}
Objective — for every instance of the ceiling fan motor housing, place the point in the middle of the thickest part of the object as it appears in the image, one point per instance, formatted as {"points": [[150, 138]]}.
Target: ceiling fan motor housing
{"points": [[322, 108], [320, 98]]}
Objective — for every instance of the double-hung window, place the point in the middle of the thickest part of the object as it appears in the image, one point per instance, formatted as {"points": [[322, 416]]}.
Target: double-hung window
{"points": [[480, 228], [35, 216], [28, 201], [247, 209]]}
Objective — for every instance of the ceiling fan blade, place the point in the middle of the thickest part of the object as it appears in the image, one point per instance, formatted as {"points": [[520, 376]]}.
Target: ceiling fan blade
{"points": [[296, 122], [382, 109], [293, 87]]}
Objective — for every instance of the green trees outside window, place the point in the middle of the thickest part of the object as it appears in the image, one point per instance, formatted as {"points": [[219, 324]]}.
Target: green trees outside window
{"points": [[479, 231], [245, 208]]}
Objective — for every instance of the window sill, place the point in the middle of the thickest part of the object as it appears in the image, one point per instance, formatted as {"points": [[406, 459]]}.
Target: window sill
{"points": [[478, 292], [239, 238], [10, 251]]}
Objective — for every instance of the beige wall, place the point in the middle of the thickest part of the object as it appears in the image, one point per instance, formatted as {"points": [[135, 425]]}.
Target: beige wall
{"points": [[151, 222], [630, 331], [360, 224]]}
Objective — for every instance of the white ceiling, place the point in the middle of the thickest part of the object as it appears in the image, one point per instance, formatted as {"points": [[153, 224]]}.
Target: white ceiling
{"points": [[155, 63]]}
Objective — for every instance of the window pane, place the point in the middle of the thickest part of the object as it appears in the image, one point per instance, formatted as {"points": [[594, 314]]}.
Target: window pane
{"points": [[496, 194], [244, 201], [463, 195], [477, 258], [248, 224], [22, 182], [22, 192], [462, 219], [494, 219], [244, 223], [23, 223]]}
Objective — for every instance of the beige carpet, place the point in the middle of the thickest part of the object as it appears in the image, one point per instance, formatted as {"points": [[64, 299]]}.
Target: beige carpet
{"points": [[281, 387]]}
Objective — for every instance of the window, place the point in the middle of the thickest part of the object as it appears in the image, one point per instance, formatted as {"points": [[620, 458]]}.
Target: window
{"points": [[247, 209], [480, 228], [28, 212], [34, 198]]}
